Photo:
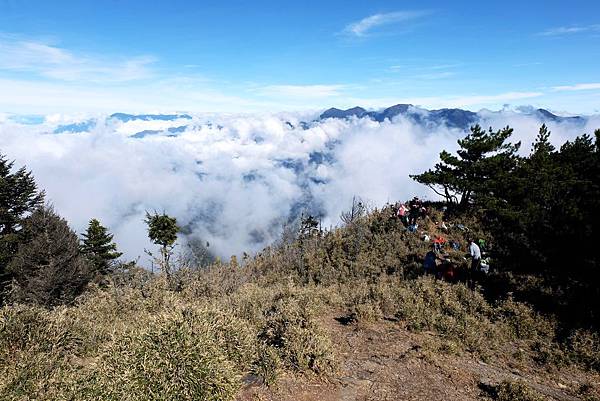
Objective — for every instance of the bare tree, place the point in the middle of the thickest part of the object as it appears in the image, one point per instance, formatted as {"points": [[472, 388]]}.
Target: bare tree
{"points": [[357, 210]]}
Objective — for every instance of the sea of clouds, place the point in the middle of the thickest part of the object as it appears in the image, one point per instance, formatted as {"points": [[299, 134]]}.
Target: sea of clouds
{"points": [[235, 180]]}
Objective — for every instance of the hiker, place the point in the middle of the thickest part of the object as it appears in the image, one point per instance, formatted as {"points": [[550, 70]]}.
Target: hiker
{"points": [[415, 203], [475, 254], [447, 269], [439, 243], [415, 207], [402, 214], [430, 262]]}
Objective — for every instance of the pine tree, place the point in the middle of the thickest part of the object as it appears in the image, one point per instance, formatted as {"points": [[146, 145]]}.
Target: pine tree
{"points": [[19, 196], [542, 146], [99, 248], [483, 157], [48, 269]]}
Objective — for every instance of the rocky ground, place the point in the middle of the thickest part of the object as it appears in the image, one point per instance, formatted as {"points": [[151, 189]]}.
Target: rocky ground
{"points": [[384, 361]]}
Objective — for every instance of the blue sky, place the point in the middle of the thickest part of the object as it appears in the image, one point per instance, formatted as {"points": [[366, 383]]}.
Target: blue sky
{"points": [[104, 56]]}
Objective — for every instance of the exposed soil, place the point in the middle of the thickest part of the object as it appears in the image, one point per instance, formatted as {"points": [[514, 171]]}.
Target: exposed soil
{"points": [[384, 361]]}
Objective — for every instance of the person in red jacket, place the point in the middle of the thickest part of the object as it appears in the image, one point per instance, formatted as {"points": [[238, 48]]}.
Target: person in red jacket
{"points": [[439, 243]]}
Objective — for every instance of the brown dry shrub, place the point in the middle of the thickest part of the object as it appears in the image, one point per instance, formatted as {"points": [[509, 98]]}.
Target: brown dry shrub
{"points": [[196, 352], [516, 391], [583, 347]]}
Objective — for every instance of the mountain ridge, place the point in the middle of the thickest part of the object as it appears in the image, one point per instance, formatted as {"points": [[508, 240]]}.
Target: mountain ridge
{"points": [[452, 117]]}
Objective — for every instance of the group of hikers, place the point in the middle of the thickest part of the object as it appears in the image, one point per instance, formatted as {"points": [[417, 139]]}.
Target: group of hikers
{"points": [[438, 261], [442, 266], [409, 213]]}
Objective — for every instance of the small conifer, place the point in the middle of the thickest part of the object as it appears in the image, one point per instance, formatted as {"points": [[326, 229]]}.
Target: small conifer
{"points": [[98, 247]]}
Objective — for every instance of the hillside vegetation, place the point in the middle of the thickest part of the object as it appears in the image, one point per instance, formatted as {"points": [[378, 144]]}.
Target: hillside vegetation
{"points": [[76, 325]]}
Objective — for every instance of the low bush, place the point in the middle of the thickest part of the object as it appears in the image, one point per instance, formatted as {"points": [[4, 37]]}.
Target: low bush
{"points": [[583, 347], [516, 391], [192, 353]]}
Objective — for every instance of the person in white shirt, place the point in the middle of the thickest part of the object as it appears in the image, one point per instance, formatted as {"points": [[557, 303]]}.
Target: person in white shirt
{"points": [[475, 253]]}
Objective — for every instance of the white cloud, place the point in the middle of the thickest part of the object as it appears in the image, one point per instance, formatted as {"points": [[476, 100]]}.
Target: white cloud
{"points": [[30, 96], [235, 185], [37, 77], [570, 30], [301, 91], [364, 26], [465, 101], [53, 62], [471, 102], [578, 87]]}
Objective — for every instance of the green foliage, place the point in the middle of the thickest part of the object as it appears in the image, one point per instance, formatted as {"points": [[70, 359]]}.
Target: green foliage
{"points": [[483, 158], [98, 247], [162, 230], [18, 197], [542, 211], [48, 268], [544, 218]]}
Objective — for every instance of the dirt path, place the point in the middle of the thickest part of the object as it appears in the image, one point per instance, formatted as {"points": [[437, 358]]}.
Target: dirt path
{"points": [[383, 361]]}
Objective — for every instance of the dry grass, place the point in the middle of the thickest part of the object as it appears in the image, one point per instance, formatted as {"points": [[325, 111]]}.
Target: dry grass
{"points": [[197, 336], [516, 391]]}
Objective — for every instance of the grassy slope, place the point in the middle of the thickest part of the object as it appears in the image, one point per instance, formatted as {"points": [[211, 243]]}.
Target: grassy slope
{"points": [[343, 314]]}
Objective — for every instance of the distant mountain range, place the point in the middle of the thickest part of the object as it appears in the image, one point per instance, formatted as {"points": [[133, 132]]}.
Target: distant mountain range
{"points": [[453, 118], [149, 117], [141, 125]]}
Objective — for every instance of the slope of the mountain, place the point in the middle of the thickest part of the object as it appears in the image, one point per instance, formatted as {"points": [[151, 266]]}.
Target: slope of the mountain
{"points": [[454, 118], [450, 117], [145, 133], [149, 117], [390, 112], [545, 115], [168, 132], [177, 130], [337, 113], [78, 127]]}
